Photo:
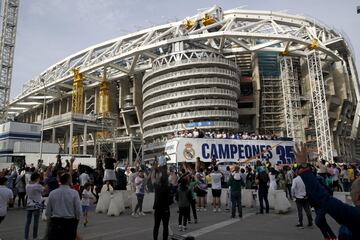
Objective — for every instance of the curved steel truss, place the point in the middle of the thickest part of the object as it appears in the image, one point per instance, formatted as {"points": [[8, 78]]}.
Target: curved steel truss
{"points": [[230, 32]]}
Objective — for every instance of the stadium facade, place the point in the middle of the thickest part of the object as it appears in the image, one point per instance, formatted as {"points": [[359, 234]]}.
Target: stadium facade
{"points": [[236, 70]]}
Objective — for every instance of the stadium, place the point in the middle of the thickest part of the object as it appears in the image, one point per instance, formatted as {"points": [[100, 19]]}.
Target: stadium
{"points": [[262, 72]]}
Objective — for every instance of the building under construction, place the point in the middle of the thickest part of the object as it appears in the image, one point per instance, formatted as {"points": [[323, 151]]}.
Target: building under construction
{"points": [[236, 70]]}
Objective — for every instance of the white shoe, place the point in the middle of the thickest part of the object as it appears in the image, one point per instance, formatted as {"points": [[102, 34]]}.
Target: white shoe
{"points": [[214, 210], [142, 214], [134, 214], [204, 209], [219, 209]]}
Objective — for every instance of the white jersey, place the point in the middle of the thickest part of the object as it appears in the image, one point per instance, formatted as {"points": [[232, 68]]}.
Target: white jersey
{"points": [[5, 196], [216, 180]]}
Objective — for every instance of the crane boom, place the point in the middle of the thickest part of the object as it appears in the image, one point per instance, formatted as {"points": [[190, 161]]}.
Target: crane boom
{"points": [[9, 15]]}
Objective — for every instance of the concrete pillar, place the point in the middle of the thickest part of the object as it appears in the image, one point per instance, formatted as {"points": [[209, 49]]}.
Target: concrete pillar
{"points": [[85, 103], [53, 135], [60, 103], [67, 104], [53, 109], [95, 150], [131, 160], [85, 140], [71, 134]]}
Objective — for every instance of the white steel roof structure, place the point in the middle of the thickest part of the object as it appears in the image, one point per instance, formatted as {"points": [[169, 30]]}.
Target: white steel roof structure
{"points": [[235, 32], [230, 33]]}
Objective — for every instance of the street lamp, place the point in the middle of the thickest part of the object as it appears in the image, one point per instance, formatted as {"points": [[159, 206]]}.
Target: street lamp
{"points": [[43, 118]]}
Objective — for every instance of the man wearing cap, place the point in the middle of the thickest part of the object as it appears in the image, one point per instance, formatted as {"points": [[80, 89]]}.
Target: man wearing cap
{"points": [[235, 183]]}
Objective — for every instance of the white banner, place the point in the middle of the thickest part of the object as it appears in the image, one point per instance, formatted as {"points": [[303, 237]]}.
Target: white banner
{"points": [[187, 149]]}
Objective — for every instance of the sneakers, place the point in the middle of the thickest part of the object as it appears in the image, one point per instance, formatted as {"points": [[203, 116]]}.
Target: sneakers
{"points": [[85, 223], [134, 214], [219, 209], [184, 228], [198, 209], [214, 210], [142, 214], [204, 209], [300, 226], [180, 228]]}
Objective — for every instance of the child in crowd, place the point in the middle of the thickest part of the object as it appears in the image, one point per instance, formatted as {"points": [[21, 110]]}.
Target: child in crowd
{"points": [[87, 196]]}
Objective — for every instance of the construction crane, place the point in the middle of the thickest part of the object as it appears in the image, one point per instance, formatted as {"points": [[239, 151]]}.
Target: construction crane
{"points": [[9, 15]]}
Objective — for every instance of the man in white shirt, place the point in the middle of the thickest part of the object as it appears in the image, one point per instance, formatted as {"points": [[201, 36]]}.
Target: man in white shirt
{"points": [[216, 177], [63, 210], [302, 202], [6, 196]]}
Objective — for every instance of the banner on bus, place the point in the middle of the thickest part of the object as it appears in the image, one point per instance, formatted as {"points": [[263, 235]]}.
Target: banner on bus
{"points": [[232, 150]]}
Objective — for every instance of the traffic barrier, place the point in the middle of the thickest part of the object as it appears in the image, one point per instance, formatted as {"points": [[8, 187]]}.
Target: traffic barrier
{"points": [[247, 198], [345, 197], [104, 201], [127, 194], [116, 203], [281, 203], [148, 202], [271, 198]]}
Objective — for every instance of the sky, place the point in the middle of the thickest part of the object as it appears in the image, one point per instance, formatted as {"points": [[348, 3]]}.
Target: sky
{"points": [[50, 30]]}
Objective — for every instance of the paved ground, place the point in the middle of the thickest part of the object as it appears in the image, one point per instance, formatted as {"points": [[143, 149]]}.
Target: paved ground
{"points": [[211, 226]]}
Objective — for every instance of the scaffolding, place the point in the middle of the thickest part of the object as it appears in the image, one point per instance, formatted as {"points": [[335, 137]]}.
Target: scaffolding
{"points": [[9, 10], [318, 98], [291, 98], [272, 112]]}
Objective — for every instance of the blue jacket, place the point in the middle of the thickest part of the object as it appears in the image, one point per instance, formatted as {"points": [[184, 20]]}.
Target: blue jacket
{"points": [[344, 214]]}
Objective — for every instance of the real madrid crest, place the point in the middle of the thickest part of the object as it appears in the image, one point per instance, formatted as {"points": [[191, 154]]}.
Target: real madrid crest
{"points": [[189, 151]]}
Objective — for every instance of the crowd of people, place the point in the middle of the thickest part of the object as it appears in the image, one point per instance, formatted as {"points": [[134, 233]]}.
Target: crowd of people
{"points": [[198, 133], [70, 191]]}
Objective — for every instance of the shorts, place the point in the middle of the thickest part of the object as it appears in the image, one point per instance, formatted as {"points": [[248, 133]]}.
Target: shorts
{"points": [[2, 218], [85, 208], [109, 175], [201, 193], [216, 192]]}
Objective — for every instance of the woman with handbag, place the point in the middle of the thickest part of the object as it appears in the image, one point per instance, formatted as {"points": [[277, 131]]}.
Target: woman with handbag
{"points": [[34, 204]]}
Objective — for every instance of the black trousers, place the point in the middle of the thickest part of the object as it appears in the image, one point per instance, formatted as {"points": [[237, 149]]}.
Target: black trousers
{"points": [[164, 216], [184, 213], [303, 204], [62, 228], [263, 197], [236, 202], [193, 209], [320, 221], [21, 199]]}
